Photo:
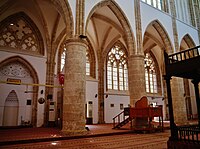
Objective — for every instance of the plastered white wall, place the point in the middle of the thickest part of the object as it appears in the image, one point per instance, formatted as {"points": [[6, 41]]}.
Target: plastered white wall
{"points": [[111, 112], [149, 14], [39, 64], [91, 91]]}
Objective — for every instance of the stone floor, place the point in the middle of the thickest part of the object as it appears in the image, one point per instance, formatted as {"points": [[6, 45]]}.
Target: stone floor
{"points": [[98, 137]]}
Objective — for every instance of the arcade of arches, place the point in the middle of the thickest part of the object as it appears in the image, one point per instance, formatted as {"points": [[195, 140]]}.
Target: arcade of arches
{"points": [[68, 62]]}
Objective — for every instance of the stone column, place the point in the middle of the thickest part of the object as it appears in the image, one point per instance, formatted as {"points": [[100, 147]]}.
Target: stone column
{"points": [[174, 25], [197, 11], [49, 80], [136, 69], [100, 89], [191, 13], [74, 87], [136, 78], [138, 26], [179, 105], [196, 88]]}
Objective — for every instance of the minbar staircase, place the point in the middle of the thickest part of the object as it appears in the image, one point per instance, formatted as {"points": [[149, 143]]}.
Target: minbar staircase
{"points": [[142, 114], [121, 119]]}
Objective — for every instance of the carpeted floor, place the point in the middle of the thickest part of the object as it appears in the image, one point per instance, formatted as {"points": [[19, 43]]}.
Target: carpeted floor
{"points": [[99, 136], [123, 141]]}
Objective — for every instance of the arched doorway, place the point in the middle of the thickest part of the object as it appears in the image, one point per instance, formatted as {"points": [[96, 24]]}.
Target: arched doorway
{"points": [[11, 110], [12, 71]]}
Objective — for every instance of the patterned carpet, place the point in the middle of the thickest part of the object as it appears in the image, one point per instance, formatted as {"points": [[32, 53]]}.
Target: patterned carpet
{"points": [[100, 136], [124, 141]]}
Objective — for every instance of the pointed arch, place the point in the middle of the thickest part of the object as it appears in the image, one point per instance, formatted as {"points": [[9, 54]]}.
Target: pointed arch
{"points": [[165, 42], [65, 11], [117, 68], [156, 41], [11, 109], [152, 68], [18, 31], [188, 41], [114, 7], [33, 74], [92, 59], [108, 48]]}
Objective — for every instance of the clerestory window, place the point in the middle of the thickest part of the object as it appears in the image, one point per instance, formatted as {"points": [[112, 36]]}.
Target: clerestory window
{"points": [[159, 4]]}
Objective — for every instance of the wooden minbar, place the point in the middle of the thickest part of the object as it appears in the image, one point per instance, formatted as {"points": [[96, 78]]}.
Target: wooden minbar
{"points": [[143, 114]]}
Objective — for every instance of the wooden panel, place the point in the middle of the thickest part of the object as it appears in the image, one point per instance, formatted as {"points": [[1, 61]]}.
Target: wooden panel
{"points": [[146, 112], [142, 103]]}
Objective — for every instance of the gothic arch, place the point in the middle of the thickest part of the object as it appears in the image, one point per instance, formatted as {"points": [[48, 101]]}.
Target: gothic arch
{"points": [[92, 56], [188, 41], [157, 71], [163, 35], [11, 109], [33, 74], [111, 45], [162, 40], [129, 38], [93, 60], [64, 9], [21, 34]]}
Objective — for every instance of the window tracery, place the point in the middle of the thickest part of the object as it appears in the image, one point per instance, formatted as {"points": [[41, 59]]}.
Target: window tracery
{"points": [[150, 74], [14, 70], [117, 70], [20, 33]]}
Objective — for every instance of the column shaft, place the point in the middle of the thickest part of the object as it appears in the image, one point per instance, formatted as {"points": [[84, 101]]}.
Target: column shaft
{"points": [[74, 88], [136, 78], [179, 105], [196, 87]]}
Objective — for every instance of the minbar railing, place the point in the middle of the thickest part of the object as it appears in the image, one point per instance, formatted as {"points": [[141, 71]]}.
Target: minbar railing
{"points": [[189, 133], [184, 55], [121, 117]]}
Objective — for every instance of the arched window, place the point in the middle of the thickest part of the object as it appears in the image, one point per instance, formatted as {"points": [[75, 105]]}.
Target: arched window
{"points": [[90, 61], [87, 63], [62, 62], [117, 71], [89, 72], [150, 74]]}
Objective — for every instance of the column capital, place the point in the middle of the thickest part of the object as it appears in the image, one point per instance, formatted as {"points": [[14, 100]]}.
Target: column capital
{"points": [[136, 56], [77, 41]]}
